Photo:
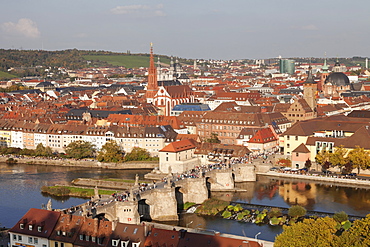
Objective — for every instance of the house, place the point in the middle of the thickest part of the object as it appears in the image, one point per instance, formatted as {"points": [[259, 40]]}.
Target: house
{"points": [[178, 157], [34, 228], [128, 235], [66, 230]]}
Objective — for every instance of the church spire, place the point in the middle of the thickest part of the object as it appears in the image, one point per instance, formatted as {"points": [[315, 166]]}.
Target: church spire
{"points": [[152, 86]]}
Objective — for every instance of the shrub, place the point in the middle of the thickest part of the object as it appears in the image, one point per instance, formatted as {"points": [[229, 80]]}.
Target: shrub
{"points": [[297, 211]]}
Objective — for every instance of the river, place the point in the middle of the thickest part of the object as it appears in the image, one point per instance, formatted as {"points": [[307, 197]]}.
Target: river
{"points": [[20, 190]]}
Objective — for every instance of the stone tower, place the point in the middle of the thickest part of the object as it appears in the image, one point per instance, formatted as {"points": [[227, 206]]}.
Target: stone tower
{"points": [[310, 90], [152, 87]]}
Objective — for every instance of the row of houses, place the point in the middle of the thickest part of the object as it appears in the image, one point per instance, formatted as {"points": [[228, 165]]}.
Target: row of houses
{"points": [[44, 228], [58, 136], [305, 139]]}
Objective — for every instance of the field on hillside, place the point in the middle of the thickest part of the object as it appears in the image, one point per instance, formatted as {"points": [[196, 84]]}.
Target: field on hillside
{"points": [[4, 75], [128, 61]]}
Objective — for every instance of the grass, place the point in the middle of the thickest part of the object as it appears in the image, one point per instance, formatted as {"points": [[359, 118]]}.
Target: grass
{"points": [[73, 191], [4, 75], [128, 61]]}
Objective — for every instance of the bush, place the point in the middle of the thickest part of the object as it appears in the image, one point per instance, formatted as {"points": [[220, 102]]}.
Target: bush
{"points": [[340, 217], [297, 211]]}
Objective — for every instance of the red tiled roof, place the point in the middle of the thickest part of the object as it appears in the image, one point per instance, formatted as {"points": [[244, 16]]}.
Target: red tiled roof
{"points": [[179, 146]]}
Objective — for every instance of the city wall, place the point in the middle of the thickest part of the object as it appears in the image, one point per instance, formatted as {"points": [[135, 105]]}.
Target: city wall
{"points": [[85, 163]]}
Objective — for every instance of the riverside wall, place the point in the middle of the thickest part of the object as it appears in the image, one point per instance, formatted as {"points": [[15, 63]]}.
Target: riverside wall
{"points": [[349, 182], [84, 163]]}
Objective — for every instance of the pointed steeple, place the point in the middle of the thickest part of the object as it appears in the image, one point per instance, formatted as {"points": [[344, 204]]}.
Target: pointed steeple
{"points": [[152, 86]]}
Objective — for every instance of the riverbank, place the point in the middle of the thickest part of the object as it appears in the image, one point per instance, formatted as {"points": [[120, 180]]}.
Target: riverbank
{"points": [[83, 163], [62, 191], [348, 182]]}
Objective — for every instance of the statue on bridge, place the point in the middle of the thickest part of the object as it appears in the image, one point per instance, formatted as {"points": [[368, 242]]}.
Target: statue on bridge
{"points": [[136, 180], [49, 205]]}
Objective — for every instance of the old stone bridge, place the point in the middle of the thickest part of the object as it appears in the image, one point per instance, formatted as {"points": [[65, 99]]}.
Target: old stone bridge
{"points": [[161, 203]]}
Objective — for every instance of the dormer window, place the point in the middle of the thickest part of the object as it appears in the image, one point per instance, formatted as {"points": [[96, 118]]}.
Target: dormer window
{"points": [[21, 226], [115, 242], [30, 227], [39, 228]]}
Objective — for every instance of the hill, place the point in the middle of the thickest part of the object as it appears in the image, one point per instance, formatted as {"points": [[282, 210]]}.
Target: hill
{"points": [[6, 76], [126, 60]]}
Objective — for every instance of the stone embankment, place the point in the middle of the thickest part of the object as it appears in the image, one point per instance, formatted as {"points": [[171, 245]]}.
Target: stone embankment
{"points": [[350, 182], [84, 163]]}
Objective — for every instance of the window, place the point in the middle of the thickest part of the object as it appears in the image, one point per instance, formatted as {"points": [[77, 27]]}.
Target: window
{"points": [[36, 240], [296, 154], [21, 226], [14, 237], [288, 145], [19, 238], [81, 237], [56, 244], [30, 240], [296, 138]]}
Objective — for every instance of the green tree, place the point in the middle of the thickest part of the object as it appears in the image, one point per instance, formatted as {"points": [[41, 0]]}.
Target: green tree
{"points": [[297, 211], [80, 150], [213, 139], [110, 152], [138, 154], [340, 216], [310, 232], [359, 158], [43, 151]]}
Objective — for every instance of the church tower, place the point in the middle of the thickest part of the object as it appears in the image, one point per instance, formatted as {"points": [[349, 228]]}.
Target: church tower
{"points": [[309, 90], [152, 87], [324, 75]]}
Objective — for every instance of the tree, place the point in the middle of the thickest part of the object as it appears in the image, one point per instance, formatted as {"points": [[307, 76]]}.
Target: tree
{"points": [[213, 139], [338, 157], [110, 152], [322, 157], [138, 154], [297, 211], [308, 164], [80, 150], [359, 158], [358, 235], [310, 232], [43, 151]]}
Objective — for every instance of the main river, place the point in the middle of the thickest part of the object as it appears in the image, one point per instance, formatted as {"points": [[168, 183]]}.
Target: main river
{"points": [[20, 190]]}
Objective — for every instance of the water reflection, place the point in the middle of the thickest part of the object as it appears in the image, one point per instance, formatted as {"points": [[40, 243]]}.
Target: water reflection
{"points": [[313, 196], [20, 187]]}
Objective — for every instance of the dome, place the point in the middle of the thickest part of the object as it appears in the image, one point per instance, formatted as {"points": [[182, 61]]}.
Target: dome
{"points": [[338, 79]]}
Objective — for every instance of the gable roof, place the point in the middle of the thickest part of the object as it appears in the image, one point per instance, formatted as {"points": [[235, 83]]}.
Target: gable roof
{"points": [[37, 222], [301, 149], [179, 146]]}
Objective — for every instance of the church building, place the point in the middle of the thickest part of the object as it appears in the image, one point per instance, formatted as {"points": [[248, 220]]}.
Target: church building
{"points": [[165, 95]]}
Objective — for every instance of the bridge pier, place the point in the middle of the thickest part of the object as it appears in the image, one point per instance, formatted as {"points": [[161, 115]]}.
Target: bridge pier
{"points": [[162, 204], [221, 180], [244, 173]]}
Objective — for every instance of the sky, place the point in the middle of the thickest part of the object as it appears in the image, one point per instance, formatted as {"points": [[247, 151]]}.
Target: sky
{"points": [[204, 29]]}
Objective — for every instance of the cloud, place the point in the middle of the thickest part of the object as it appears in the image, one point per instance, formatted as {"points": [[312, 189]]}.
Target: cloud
{"points": [[143, 10], [25, 27], [129, 9]]}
